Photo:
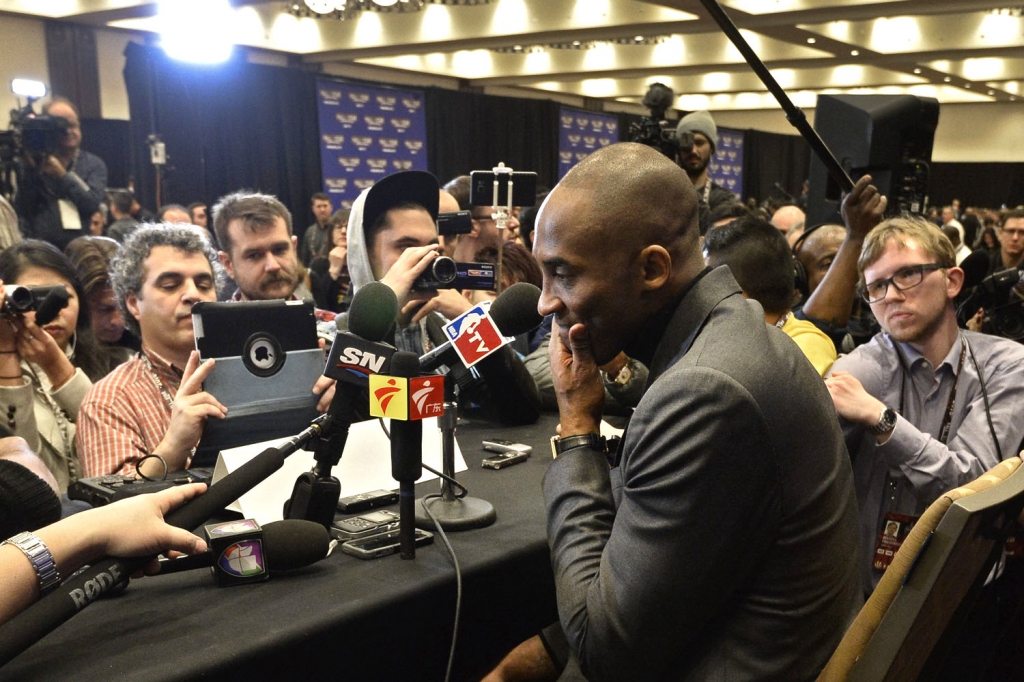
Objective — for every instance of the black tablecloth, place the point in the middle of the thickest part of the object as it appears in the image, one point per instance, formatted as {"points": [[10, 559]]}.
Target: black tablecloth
{"points": [[342, 618]]}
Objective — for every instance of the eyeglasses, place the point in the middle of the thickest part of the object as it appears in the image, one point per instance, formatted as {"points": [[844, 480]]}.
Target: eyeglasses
{"points": [[905, 278], [1014, 234]]}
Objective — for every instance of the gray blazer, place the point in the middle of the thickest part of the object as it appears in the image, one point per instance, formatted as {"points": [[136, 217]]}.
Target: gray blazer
{"points": [[724, 546]]}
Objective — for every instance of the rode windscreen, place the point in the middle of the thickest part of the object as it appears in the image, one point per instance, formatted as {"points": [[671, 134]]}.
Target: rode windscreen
{"points": [[406, 459], [287, 545]]}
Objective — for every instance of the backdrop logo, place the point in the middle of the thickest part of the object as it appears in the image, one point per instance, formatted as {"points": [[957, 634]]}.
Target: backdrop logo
{"points": [[388, 143], [336, 183], [402, 124], [411, 104], [349, 162], [334, 141], [402, 164], [347, 119], [363, 183], [414, 145], [362, 141], [386, 100], [359, 98]]}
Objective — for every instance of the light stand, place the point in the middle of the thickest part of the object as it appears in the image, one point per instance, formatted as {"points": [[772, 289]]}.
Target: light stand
{"points": [[452, 513]]}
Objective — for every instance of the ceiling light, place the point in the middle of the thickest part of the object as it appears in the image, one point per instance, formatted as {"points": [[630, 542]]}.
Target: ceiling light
{"points": [[811, 41], [917, 70], [321, 6], [967, 85], [991, 92], [854, 53], [384, 3], [946, 79]]}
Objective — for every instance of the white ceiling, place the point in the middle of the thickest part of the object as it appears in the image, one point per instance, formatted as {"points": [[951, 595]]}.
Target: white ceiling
{"points": [[954, 50]]}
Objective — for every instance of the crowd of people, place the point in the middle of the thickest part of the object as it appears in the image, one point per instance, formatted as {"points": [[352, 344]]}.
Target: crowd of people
{"points": [[796, 395]]}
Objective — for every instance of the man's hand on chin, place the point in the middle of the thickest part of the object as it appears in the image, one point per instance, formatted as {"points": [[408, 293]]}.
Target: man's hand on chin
{"points": [[579, 389]]}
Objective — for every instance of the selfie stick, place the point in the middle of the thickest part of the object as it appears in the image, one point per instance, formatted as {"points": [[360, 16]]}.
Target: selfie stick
{"points": [[503, 212], [794, 114]]}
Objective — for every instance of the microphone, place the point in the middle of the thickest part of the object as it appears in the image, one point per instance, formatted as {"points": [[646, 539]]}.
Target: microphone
{"points": [[51, 306], [80, 590], [406, 453], [975, 268], [514, 312], [355, 356], [287, 545]]}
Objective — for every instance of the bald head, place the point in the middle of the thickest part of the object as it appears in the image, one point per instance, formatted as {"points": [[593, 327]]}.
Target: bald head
{"points": [[787, 218], [817, 251], [635, 195]]}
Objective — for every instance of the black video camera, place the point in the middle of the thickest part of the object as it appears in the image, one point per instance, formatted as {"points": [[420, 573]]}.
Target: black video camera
{"points": [[445, 273], [999, 295], [19, 299], [655, 131]]}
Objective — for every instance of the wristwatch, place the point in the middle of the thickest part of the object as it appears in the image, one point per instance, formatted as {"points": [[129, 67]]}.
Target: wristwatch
{"points": [[42, 561], [609, 447], [623, 376], [886, 422]]}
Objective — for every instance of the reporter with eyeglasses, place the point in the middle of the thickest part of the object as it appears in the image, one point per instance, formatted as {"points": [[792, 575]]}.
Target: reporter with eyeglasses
{"points": [[925, 406]]}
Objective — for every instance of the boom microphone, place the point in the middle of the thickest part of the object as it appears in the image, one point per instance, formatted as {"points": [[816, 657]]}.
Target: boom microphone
{"points": [[975, 268], [514, 312], [287, 545], [77, 592]]}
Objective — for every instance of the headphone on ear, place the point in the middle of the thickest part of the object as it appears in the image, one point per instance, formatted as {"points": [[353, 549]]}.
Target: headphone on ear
{"points": [[803, 284]]}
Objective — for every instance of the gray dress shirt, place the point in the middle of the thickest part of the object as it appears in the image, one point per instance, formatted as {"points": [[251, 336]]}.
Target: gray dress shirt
{"points": [[913, 467]]}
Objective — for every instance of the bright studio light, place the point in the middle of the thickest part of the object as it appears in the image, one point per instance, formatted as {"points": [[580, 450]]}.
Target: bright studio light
{"points": [[385, 3], [195, 30], [24, 87]]}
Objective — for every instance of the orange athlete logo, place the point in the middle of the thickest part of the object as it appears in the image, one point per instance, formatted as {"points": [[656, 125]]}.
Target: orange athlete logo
{"points": [[390, 397]]}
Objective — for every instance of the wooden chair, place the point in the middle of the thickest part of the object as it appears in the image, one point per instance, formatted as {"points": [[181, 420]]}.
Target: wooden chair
{"points": [[932, 582]]}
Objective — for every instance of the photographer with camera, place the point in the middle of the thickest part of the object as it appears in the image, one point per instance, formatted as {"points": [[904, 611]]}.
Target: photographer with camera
{"points": [[393, 238], [46, 366], [60, 188], [694, 158]]}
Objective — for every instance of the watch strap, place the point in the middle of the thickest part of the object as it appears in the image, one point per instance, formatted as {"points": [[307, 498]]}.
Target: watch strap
{"points": [[609, 447], [886, 422], [41, 559]]}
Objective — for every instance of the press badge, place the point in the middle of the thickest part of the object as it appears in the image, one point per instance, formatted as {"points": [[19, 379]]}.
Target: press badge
{"points": [[69, 216], [894, 532]]}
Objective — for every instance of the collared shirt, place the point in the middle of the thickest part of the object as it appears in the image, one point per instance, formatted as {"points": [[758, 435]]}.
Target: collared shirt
{"points": [[913, 467], [125, 415]]}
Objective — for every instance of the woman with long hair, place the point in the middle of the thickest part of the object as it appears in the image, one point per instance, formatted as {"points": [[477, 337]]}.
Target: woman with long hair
{"points": [[45, 372]]}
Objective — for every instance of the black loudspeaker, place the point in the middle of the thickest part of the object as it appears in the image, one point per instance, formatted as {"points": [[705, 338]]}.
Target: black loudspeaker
{"points": [[886, 136]]}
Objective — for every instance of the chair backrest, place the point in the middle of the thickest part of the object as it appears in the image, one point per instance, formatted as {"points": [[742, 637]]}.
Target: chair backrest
{"points": [[932, 581]]}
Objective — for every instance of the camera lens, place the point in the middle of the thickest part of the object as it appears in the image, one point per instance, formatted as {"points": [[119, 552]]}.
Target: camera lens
{"points": [[444, 270]]}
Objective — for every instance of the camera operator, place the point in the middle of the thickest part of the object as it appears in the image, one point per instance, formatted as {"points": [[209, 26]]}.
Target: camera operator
{"points": [[59, 192], [695, 159]]}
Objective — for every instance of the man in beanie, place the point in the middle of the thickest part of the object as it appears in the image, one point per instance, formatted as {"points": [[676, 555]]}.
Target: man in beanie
{"points": [[702, 127]]}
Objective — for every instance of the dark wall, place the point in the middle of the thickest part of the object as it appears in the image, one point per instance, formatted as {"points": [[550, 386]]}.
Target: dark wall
{"points": [[989, 185]]}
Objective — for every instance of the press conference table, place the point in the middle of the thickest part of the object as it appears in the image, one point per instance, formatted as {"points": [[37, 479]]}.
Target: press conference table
{"points": [[342, 618]]}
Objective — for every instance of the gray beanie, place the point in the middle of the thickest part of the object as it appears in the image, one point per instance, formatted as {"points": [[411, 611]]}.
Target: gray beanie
{"points": [[699, 122]]}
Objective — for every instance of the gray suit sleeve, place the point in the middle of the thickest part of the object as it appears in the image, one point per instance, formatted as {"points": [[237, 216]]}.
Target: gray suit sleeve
{"points": [[639, 584]]}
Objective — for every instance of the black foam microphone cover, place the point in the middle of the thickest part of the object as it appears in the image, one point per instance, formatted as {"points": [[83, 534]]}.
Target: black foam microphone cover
{"points": [[975, 268], [51, 306], [514, 311], [373, 311], [406, 436], [287, 545]]}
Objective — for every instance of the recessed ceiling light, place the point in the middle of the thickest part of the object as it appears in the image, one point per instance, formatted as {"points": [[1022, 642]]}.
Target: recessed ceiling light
{"points": [[967, 85], [917, 70], [639, 39], [854, 53], [811, 41], [991, 92], [575, 43], [946, 79]]}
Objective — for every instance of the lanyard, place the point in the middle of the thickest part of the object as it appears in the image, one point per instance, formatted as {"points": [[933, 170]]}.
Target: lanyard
{"points": [[947, 418]]}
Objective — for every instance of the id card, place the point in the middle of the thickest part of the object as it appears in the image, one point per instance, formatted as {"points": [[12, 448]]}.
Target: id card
{"points": [[892, 535], [69, 217]]}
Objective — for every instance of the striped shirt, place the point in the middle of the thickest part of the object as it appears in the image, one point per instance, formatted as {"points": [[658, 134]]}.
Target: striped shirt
{"points": [[124, 416]]}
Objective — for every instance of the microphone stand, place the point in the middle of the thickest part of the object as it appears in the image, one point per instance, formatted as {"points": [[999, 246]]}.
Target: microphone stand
{"points": [[452, 513]]}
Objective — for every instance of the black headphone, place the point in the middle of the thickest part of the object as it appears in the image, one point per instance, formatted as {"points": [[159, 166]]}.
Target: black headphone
{"points": [[803, 284]]}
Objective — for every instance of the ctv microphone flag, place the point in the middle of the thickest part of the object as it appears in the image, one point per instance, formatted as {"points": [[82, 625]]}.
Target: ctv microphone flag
{"points": [[406, 399], [474, 335]]}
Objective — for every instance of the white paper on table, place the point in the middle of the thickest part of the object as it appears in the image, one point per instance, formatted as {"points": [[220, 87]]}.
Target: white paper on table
{"points": [[364, 466]]}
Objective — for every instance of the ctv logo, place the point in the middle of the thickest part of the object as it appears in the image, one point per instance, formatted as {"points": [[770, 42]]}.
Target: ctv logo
{"points": [[361, 362], [406, 399], [474, 335]]}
